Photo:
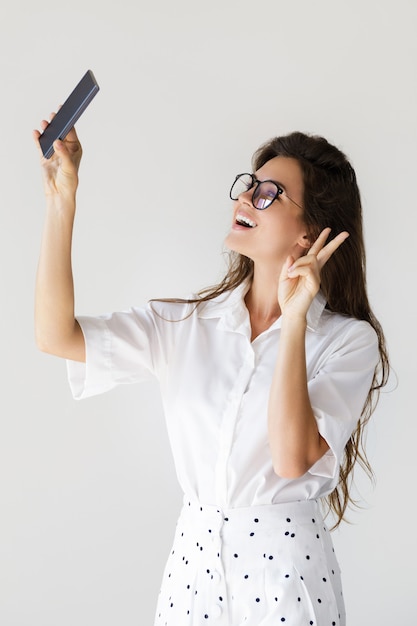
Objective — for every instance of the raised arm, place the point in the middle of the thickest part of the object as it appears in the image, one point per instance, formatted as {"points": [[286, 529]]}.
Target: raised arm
{"points": [[294, 438], [56, 330]]}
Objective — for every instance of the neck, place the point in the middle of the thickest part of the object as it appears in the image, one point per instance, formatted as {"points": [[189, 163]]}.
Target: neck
{"points": [[262, 299]]}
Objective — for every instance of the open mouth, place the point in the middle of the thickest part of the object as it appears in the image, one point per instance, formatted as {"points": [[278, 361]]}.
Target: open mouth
{"points": [[242, 220]]}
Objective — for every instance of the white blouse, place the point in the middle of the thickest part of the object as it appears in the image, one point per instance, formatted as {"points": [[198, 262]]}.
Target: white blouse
{"points": [[215, 383]]}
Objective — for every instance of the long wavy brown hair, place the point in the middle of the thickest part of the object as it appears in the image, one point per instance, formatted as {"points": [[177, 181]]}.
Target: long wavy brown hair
{"points": [[331, 198]]}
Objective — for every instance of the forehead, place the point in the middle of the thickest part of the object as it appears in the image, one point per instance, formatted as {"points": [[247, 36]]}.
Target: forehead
{"points": [[284, 170]]}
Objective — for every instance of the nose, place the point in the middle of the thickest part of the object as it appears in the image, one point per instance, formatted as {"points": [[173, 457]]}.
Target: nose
{"points": [[246, 196]]}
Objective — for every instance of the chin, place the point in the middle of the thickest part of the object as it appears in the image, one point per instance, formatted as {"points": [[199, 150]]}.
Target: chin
{"points": [[234, 249], [234, 245]]}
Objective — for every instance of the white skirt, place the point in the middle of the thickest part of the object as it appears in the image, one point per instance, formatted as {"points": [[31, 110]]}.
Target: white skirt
{"points": [[251, 566]]}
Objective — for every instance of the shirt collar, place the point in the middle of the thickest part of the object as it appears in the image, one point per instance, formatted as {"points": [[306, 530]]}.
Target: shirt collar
{"points": [[231, 309]]}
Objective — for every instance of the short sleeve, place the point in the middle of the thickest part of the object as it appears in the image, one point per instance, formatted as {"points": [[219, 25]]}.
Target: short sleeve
{"points": [[339, 389], [121, 348]]}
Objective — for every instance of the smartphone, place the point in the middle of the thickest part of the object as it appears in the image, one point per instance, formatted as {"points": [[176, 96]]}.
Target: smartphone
{"points": [[69, 113]]}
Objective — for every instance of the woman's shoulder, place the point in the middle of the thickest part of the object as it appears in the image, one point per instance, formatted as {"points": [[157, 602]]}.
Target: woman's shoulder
{"points": [[348, 327]]}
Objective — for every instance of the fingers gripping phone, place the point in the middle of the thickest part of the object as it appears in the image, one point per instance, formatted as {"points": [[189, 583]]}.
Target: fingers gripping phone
{"points": [[73, 107]]}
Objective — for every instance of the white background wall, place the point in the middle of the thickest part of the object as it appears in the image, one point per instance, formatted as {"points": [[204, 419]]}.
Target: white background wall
{"points": [[88, 497]]}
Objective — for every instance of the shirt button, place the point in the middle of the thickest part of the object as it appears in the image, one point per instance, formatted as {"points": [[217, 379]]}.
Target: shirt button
{"points": [[216, 611]]}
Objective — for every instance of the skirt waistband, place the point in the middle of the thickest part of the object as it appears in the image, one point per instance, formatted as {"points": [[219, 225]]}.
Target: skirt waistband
{"points": [[268, 515]]}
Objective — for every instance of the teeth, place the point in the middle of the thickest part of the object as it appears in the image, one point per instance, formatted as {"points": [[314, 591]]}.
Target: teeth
{"points": [[242, 219]]}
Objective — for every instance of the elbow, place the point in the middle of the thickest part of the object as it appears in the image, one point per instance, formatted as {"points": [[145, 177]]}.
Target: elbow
{"points": [[292, 464], [40, 343], [69, 346], [291, 470], [46, 345], [43, 342], [45, 349], [292, 467]]}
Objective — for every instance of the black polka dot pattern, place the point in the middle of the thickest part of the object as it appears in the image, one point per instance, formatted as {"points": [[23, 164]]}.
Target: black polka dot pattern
{"points": [[249, 565]]}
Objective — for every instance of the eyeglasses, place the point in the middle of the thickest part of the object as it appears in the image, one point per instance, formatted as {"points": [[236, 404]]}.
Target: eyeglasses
{"points": [[264, 193]]}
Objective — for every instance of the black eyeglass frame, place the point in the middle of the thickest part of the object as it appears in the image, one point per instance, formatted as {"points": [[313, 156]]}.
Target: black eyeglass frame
{"points": [[255, 182]]}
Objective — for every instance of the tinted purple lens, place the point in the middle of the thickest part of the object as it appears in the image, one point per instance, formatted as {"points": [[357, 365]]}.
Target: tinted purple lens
{"points": [[264, 195]]}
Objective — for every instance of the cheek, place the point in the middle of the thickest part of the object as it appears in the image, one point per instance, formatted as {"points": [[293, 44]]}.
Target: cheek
{"points": [[282, 235], [281, 227]]}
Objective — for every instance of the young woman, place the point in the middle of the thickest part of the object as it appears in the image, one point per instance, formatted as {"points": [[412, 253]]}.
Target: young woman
{"points": [[267, 380]]}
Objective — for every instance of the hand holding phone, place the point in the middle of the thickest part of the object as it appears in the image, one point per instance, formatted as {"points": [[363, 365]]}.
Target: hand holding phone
{"points": [[69, 113]]}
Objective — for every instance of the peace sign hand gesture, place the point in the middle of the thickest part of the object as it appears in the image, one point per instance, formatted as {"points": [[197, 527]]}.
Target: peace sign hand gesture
{"points": [[299, 281]]}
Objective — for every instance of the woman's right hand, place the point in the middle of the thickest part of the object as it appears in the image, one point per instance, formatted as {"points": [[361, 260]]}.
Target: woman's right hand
{"points": [[60, 171], [57, 331]]}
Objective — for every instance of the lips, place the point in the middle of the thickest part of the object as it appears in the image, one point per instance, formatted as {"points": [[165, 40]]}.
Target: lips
{"points": [[244, 220]]}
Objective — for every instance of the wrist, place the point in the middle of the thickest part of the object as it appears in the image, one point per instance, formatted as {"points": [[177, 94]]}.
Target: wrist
{"points": [[61, 204], [294, 321]]}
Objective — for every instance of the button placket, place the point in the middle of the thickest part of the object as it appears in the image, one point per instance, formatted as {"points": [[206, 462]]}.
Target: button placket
{"points": [[228, 424]]}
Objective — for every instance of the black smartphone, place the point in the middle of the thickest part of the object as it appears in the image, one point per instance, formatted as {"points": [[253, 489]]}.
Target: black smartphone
{"points": [[69, 113]]}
